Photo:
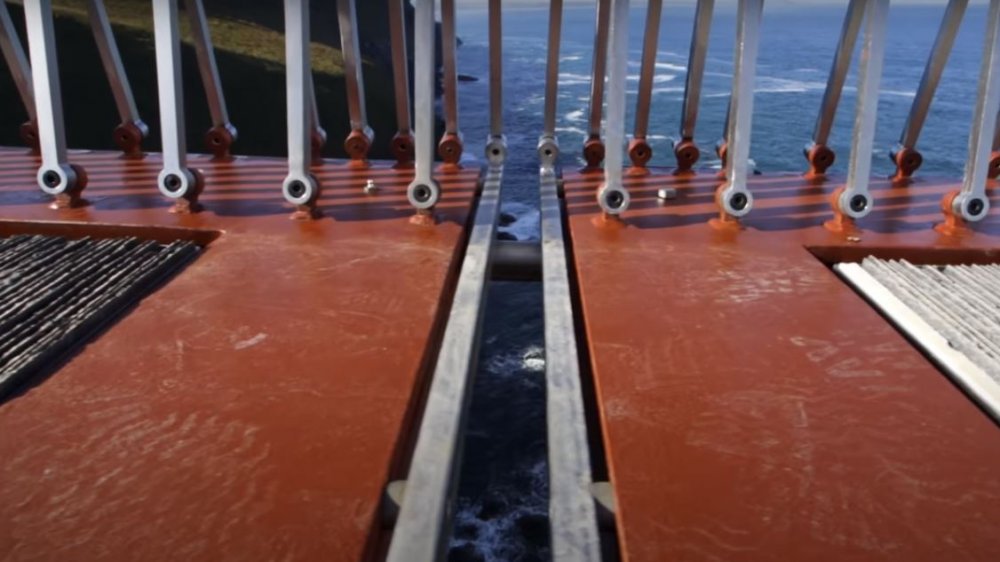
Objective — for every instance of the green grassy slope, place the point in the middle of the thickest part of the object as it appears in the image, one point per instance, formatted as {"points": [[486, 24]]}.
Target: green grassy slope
{"points": [[250, 54]]}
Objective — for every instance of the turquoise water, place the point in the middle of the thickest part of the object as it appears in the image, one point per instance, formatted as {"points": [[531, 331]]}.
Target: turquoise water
{"points": [[502, 499]]}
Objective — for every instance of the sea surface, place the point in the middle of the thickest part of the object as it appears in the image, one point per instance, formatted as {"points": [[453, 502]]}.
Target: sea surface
{"points": [[502, 505]]}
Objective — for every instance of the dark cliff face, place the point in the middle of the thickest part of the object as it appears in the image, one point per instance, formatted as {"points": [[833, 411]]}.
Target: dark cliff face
{"points": [[254, 84]]}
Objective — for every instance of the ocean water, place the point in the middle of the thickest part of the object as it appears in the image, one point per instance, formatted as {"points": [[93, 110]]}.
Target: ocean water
{"points": [[502, 506]]}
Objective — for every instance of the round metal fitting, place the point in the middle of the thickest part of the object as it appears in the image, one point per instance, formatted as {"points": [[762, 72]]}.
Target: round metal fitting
{"points": [[55, 181], [971, 208], [496, 149], [593, 152], [855, 205], [687, 154], [907, 161], [300, 190], [820, 158], [423, 195], [128, 137], [176, 183], [548, 150], [736, 203], [613, 200], [639, 152], [401, 147]]}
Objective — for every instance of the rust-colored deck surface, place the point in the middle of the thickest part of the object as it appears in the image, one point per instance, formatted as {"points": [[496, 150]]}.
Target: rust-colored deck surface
{"points": [[753, 406], [255, 406]]}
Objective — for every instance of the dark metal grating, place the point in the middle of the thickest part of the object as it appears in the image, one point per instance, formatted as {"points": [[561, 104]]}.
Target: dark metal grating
{"points": [[56, 292]]}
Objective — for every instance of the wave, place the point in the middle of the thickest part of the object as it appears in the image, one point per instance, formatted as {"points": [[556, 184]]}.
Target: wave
{"points": [[527, 223]]}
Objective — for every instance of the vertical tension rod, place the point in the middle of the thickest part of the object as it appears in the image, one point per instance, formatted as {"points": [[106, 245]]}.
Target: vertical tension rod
{"points": [[300, 188], [853, 201], [450, 147], [639, 151], [970, 204], [905, 155], [819, 155], [593, 147], [685, 150], [56, 176], [733, 196], [612, 196]]}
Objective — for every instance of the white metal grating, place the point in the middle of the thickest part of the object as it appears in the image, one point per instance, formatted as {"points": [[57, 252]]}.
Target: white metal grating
{"points": [[951, 311]]}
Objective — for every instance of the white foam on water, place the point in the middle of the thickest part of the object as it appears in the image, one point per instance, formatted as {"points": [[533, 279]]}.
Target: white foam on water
{"points": [[570, 78], [527, 223], [492, 537], [575, 116], [671, 66], [570, 58]]}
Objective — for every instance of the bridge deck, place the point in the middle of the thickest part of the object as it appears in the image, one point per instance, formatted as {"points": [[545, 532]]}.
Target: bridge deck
{"points": [[752, 405], [256, 405]]}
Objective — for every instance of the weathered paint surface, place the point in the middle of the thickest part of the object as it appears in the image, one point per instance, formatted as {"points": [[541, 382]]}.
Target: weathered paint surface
{"points": [[255, 406], [753, 406]]}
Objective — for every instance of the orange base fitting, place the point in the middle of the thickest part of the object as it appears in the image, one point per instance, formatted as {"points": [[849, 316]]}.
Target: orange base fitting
{"points": [[357, 146], [188, 204], [722, 151], [401, 147], [73, 198], [128, 137], [994, 169], [424, 217], [639, 152], [907, 161], [724, 222], [317, 140], [29, 136], [219, 139], [953, 225], [450, 150], [840, 223], [593, 153], [820, 158], [687, 155]]}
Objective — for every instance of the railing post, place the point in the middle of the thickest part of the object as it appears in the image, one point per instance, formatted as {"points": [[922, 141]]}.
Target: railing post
{"points": [[733, 196], [317, 135], [970, 203], [423, 192], [496, 144], [402, 143], [612, 196], [20, 70], [360, 139], [817, 152], [994, 170], [853, 201], [220, 137], [450, 147], [593, 147], [175, 180], [905, 155], [685, 149], [131, 130], [300, 188], [548, 144], [56, 176], [639, 151]]}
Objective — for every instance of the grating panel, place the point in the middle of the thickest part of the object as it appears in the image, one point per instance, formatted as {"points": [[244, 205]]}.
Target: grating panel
{"points": [[55, 292], [952, 312]]}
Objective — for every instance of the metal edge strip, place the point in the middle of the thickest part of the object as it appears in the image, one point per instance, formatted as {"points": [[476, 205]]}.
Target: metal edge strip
{"points": [[572, 514], [425, 516]]}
